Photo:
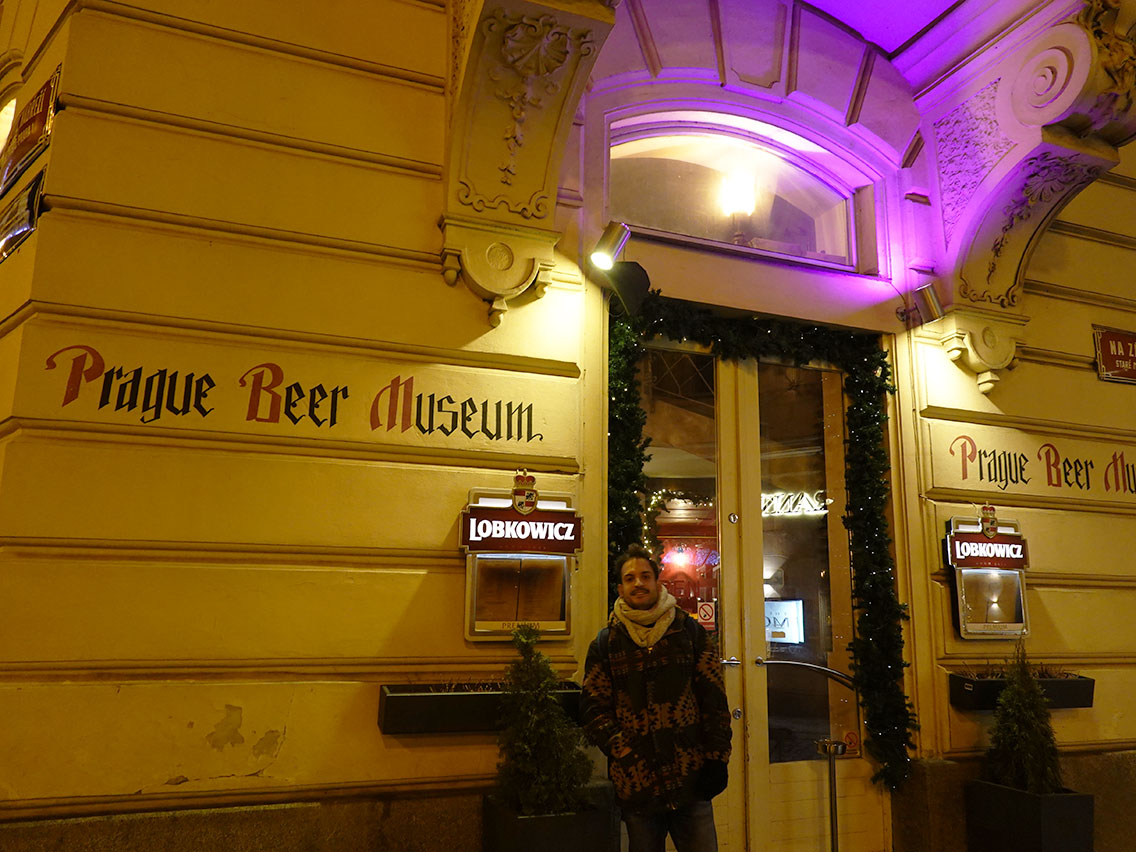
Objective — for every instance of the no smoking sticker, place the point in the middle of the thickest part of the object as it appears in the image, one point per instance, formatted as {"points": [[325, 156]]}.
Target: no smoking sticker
{"points": [[707, 614]]}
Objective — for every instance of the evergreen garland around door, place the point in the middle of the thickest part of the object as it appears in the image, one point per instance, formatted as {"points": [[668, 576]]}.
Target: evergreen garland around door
{"points": [[877, 649]]}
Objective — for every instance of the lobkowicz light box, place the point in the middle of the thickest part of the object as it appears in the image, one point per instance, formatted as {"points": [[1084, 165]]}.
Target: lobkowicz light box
{"points": [[990, 560], [521, 551]]}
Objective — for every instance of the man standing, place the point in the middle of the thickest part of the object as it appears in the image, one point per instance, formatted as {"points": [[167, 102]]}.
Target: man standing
{"points": [[654, 701]]}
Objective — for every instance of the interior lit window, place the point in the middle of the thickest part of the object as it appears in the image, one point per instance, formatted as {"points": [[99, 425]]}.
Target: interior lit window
{"points": [[755, 187], [7, 114]]}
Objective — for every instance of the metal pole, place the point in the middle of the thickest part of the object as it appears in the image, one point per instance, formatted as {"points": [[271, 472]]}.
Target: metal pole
{"points": [[832, 748]]}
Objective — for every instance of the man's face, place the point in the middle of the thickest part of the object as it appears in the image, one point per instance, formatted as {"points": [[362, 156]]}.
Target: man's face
{"points": [[638, 585]]}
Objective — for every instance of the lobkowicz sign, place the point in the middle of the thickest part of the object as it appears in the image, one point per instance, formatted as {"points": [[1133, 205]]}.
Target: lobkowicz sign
{"points": [[989, 547], [521, 527], [990, 559], [520, 548]]}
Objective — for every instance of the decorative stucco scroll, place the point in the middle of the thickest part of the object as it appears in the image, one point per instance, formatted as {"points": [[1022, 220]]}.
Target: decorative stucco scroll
{"points": [[1024, 133], [1116, 57], [1049, 180], [525, 63], [969, 144], [533, 49], [518, 82]]}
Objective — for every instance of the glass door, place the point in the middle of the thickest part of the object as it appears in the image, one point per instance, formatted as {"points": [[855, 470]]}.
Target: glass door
{"points": [[679, 393], [805, 562], [746, 494]]}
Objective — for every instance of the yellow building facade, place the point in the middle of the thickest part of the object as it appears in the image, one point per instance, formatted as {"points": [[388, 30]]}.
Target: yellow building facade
{"points": [[282, 285]]}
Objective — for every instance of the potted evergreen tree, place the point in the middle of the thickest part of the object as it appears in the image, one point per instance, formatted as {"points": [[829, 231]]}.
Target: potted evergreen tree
{"points": [[1022, 805], [543, 800]]}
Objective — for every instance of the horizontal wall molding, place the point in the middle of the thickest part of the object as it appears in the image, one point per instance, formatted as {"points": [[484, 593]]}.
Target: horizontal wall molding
{"points": [[1096, 235], [1036, 287], [244, 557], [1072, 746], [328, 450], [1055, 358], [1061, 580], [1121, 181], [351, 156], [376, 69], [11, 810], [421, 259], [485, 666], [979, 497], [1029, 424], [94, 319]]}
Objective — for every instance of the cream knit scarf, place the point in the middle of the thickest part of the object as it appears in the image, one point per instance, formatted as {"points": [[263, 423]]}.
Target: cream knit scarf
{"points": [[647, 626]]}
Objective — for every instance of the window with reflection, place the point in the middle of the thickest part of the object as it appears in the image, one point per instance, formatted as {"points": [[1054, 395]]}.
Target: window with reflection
{"points": [[678, 396], [767, 191], [806, 575]]}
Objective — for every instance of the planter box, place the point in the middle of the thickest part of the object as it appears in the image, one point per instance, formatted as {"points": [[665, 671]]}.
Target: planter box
{"points": [[425, 708], [1002, 819], [968, 693], [594, 830]]}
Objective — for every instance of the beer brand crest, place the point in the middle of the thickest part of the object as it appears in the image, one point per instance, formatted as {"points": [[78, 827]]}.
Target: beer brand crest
{"points": [[989, 522], [524, 492]]}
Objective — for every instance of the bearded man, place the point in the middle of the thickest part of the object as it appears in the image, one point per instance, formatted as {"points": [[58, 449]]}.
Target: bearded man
{"points": [[654, 701]]}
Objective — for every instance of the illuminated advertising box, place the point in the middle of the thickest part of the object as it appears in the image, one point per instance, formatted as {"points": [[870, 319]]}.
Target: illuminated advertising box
{"points": [[989, 558], [520, 548]]}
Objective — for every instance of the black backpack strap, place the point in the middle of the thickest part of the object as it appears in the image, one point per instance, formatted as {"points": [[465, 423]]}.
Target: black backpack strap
{"points": [[691, 629]]}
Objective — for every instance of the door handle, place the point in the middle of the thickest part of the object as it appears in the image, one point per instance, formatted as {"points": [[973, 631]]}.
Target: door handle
{"points": [[733, 661]]}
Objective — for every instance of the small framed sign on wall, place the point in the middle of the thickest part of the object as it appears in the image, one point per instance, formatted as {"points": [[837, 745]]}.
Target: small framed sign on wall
{"points": [[1116, 354]]}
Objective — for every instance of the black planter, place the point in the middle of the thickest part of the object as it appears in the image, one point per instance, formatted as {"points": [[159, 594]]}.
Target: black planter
{"points": [[1002, 819], [430, 708], [970, 693], [504, 830]]}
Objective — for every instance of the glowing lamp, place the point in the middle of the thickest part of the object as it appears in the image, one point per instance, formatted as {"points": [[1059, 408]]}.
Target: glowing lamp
{"points": [[737, 194], [610, 244]]}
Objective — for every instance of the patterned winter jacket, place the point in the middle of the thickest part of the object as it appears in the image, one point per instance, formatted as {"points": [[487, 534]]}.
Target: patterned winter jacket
{"points": [[667, 703]]}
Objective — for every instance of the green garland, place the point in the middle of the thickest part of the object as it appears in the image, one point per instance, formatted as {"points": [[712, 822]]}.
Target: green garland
{"points": [[627, 447], [877, 650]]}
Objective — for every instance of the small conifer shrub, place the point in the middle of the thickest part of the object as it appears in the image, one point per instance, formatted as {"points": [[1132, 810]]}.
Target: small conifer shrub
{"points": [[543, 768], [1023, 749]]}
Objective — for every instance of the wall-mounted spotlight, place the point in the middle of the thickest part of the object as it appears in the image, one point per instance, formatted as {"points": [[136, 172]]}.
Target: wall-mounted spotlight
{"points": [[927, 301], [925, 306], [611, 243]]}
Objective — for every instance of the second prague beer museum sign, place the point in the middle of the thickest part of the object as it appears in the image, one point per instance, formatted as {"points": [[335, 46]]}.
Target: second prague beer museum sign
{"points": [[1010, 461]]}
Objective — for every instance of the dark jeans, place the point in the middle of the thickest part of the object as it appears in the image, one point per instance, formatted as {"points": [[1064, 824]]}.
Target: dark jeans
{"points": [[691, 828]]}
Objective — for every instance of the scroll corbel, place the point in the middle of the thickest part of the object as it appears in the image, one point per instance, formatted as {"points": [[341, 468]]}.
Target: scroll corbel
{"points": [[986, 345], [495, 263]]}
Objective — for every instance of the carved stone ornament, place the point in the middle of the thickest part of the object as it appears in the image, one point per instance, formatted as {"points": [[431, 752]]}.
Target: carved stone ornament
{"points": [[983, 343], [1116, 59], [526, 70], [969, 144], [1048, 180], [495, 264], [517, 88]]}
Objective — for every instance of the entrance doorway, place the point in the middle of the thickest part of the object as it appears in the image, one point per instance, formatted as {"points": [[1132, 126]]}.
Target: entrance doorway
{"points": [[746, 496]]}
